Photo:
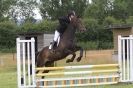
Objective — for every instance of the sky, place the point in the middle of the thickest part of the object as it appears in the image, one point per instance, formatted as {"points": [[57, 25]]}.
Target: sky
{"points": [[37, 14]]}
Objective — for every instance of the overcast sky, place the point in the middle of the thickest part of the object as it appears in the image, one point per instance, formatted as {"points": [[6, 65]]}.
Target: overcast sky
{"points": [[37, 14]]}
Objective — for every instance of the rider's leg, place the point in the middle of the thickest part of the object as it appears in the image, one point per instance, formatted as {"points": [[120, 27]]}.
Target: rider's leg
{"points": [[56, 36], [58, 41]]}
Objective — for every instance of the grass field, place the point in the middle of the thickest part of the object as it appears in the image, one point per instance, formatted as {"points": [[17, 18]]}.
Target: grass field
{"points": [[8, 69]]}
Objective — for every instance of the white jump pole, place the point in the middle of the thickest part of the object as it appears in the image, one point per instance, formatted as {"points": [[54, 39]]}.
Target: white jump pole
{"points": [[131, 58], [33, 60], [18, 63]]}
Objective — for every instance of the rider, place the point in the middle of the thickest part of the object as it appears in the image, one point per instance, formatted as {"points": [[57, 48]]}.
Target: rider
{"points": [[64, 21]]}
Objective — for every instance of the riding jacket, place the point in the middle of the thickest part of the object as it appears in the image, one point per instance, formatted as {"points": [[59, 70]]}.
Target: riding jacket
{"points": [[64, 21]]}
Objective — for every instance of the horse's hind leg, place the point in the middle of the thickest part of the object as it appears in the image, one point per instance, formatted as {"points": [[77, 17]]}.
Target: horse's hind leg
{"points": [[71, 60], [70, 52], [47, 64], [81, 52]]}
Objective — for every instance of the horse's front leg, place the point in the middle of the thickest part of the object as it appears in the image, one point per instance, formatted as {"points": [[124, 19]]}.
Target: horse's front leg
{"points": [[81, 52], [70, 52]]}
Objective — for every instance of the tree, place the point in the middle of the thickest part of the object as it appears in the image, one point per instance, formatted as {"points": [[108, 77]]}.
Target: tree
{"points": [[79, 6], [130, 7], [7, 34], [4, 8], [55, 8], [120, 10], [23, 9], [130, 20], [98, 9]]}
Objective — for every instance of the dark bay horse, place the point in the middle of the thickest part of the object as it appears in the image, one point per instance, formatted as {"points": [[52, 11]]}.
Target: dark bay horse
{"points": [[66, 46]]}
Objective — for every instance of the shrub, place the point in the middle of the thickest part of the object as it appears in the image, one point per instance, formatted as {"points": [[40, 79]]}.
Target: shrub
{"points": [[94, 45], [7, 34], [130, 20], [47, 26], [44, 26]]}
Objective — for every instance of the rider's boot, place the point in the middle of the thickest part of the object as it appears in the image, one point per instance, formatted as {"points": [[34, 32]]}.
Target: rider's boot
{"points": [[53, 44], [52, 47]]}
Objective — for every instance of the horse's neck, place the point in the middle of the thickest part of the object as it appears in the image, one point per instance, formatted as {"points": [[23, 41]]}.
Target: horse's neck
{"points": [[67, 38], [69, 33]]}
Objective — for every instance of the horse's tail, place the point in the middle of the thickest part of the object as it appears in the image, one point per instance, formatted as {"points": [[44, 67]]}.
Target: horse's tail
{"points": [[36, 55]]}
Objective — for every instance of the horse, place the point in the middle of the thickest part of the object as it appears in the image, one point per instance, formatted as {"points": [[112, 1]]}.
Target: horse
{"points": [[66, 46]]}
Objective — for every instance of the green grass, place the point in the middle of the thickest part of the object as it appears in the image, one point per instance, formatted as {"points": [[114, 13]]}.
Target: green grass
{"points": [[8, 71], [8, 80], [8, 77]]}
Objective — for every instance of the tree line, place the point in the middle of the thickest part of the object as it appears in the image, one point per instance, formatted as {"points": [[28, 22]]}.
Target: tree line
{"points": [[97, 15]]}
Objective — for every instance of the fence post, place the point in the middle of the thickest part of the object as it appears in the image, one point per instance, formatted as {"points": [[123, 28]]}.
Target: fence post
{"points": [[18, 63], [119, 56], [33, 60], [131, 58]]}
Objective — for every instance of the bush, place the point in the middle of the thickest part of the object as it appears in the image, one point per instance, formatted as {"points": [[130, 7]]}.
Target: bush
{"points": [[7, 34], [47, 26], [88, 45], [105, 45], [95, 32], [28, 27], [44, 26], [5, 50], [109, 20], [94, 45], [130, 20], [91, 32]]}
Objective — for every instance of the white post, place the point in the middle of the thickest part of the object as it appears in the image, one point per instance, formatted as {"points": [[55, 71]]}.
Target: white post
{"points": [[18, 63], [23, 65], [28, 58], [128, 60], [33, 60], [119, 56], [123, 60], [131, 58]]}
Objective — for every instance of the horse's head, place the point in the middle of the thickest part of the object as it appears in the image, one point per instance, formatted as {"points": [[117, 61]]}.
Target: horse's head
{"points": [[78, 24]]}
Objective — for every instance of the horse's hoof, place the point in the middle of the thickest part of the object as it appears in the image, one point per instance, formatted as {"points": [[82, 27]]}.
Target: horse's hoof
{"points": [[78, 59], [67, 61]]}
